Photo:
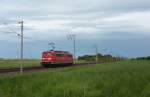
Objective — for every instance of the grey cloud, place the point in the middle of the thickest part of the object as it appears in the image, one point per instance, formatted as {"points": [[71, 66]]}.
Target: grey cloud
{"points": [[28, 8]]}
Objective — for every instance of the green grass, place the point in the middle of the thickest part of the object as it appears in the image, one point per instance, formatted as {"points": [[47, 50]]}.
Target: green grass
{"points": [[120, 79], [16, 63], [26, 63]]}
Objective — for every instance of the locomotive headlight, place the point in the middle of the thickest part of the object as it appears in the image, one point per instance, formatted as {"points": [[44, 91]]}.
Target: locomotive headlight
{"points": [[49, 58]]}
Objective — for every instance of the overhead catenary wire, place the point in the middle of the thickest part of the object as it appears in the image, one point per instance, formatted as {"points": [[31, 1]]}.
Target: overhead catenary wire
{"points": [[59, 45], [26, 37], [12, 30]]}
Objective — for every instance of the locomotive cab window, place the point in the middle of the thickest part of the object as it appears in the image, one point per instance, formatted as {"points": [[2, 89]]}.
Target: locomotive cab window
{"points": [[59, 55], [49, 54]]}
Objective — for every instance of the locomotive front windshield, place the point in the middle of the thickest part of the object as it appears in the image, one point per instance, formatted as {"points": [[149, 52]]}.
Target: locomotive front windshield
{"points": [[49, 54], [60, 55]]}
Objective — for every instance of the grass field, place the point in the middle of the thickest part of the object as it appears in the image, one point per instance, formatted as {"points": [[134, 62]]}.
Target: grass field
{"points": [[16, 63], [120, 79], [26, 63]]}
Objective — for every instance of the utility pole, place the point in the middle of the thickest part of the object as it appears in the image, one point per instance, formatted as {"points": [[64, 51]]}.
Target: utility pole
{"points": [[105, 53], [74, 46], [21, 47], [96, 52], [73, 37]]}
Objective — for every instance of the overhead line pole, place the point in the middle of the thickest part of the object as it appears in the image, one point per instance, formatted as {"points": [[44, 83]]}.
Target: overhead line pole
{"points": [[96, 52], [21, 46], [74, 46], [73, 37]]}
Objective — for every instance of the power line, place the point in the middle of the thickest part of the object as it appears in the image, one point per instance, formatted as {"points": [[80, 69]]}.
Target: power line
{"points": [[13, 31]]}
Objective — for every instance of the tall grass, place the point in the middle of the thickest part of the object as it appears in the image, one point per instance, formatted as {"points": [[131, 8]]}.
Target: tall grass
{"points": [[120, 79]]}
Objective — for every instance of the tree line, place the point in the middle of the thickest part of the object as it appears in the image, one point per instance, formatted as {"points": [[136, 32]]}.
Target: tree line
{"points": [[142, 58], [101, 58]]}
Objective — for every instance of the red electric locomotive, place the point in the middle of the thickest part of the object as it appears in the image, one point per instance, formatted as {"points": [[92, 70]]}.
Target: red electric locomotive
{"points": [[53, 58]]}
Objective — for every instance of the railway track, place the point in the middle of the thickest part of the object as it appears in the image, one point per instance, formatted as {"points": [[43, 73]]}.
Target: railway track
{"points": [[30, 69]]}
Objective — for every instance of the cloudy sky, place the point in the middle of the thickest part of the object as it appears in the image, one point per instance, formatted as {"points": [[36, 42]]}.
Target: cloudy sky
{"points": [[119, 27]]}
